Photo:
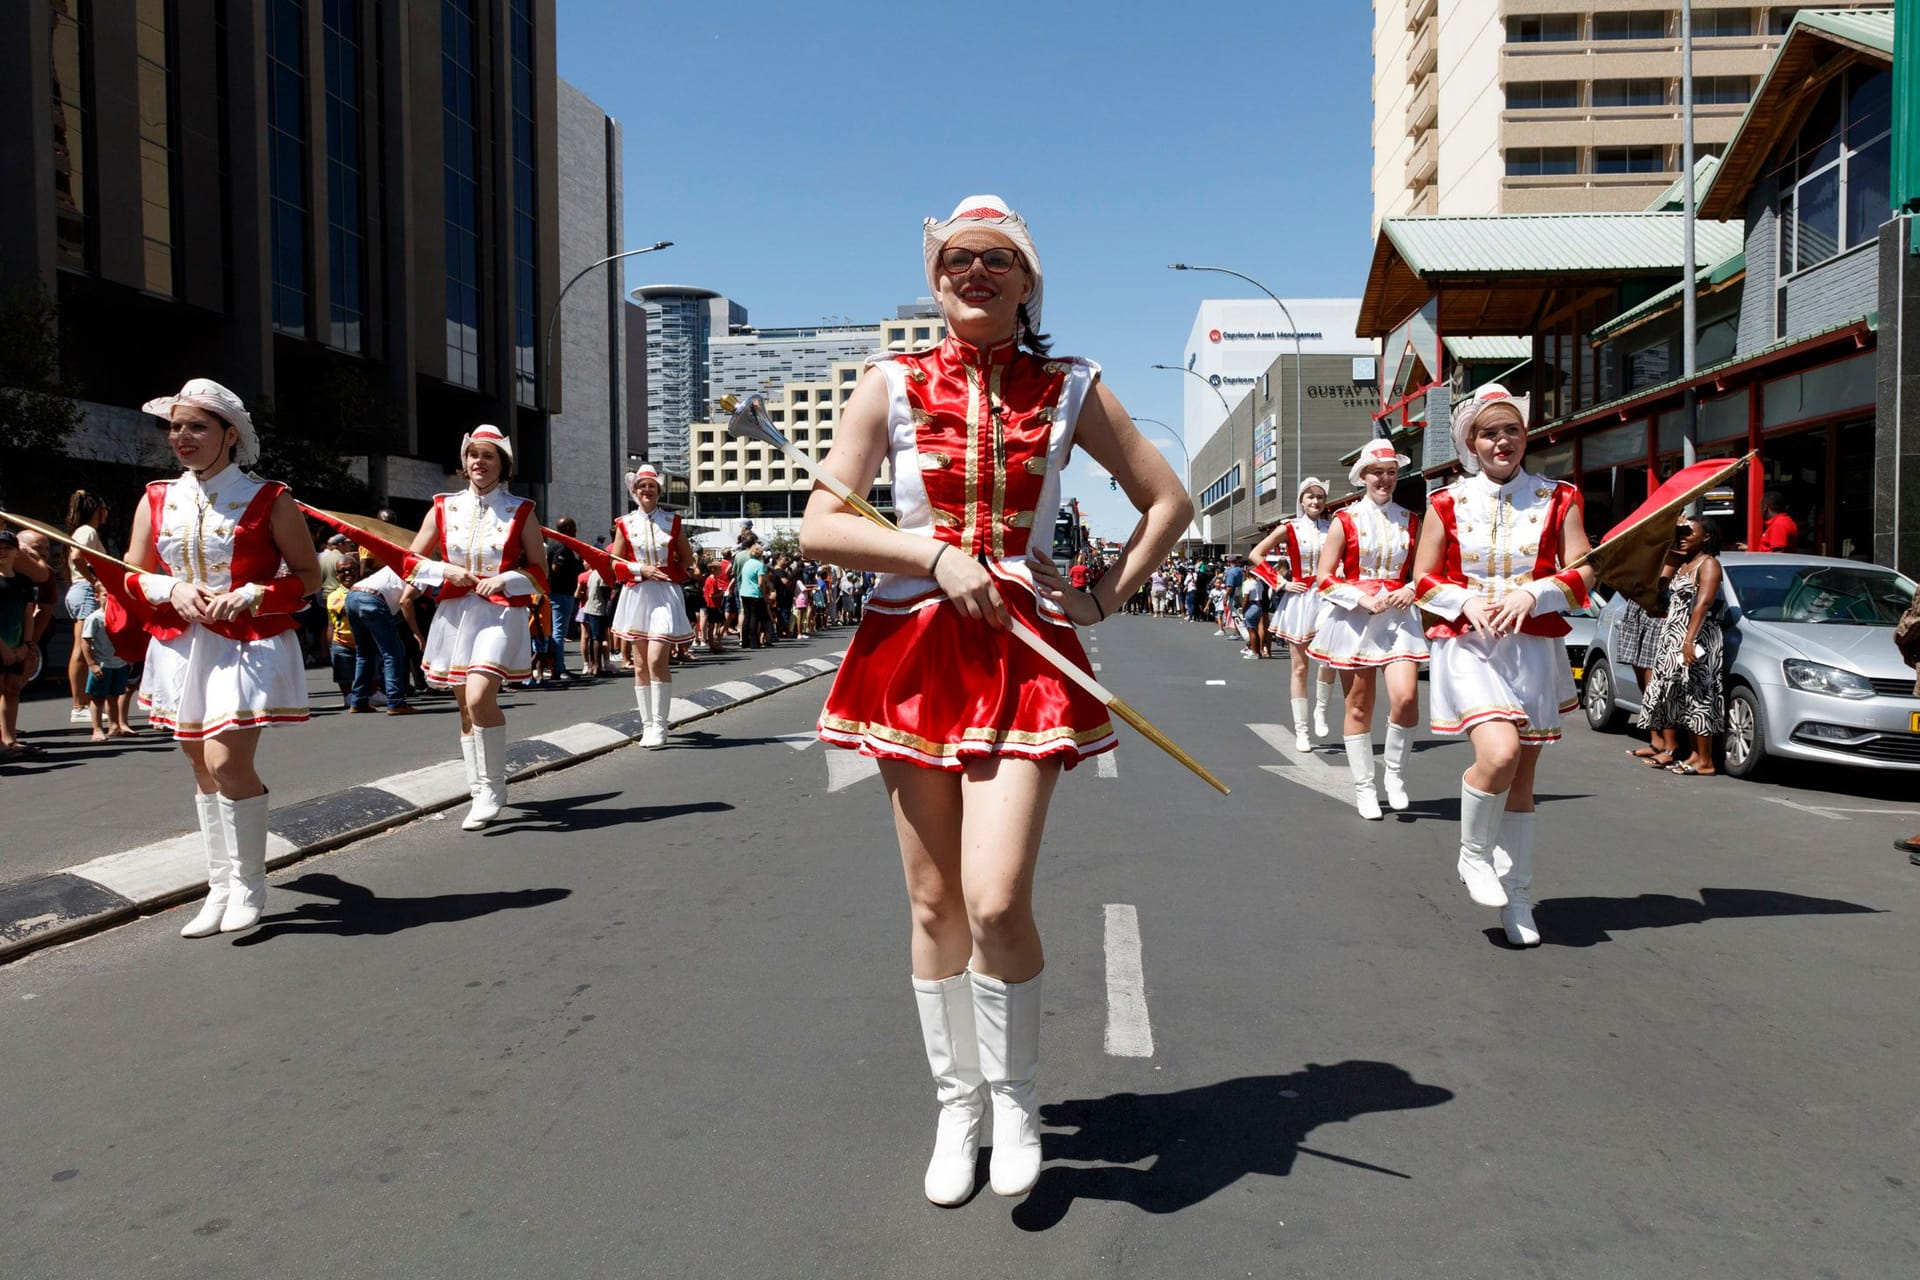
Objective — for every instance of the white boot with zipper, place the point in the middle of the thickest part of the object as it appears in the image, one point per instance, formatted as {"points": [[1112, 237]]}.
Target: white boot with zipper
{"points": [[1399, 748], [1516, 841], [1302, 738], [1006, 1017], [1481, 862], [1322, 691], [1360, 763], [953, 1054], [243, 824], [490, 768], [219, 869], [467, 758]]}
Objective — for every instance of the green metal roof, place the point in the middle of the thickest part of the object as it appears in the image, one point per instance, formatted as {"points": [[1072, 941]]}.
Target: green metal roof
{"points": [[1871, 28], [1553, 243], [1709, 277], [1490, 349], [1673, 199]]}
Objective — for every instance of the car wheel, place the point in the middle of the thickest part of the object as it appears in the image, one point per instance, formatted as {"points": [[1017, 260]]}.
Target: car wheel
{"points": [[1746, 740], [1596, 696]]}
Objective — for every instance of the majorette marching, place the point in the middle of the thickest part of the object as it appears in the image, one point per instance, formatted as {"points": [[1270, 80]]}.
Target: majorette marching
{"points": [[652, 614], [222, 662], [1490, 569], [971, 728], [1366, 564], [481, 550], [1302, 606]]}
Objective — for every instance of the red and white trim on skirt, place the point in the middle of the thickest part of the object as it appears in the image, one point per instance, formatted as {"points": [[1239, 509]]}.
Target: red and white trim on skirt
{"points": [[649, 635], [1529, 736], [201, 732], [457, 676], [884, 743]]}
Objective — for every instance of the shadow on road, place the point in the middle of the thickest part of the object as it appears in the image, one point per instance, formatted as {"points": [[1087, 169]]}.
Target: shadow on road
{"points": [[573, 813], [1448, 807], [356, 912], [1201, 1141], [1588, 922]]}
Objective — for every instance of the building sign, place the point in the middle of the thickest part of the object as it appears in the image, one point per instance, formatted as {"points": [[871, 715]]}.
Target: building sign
{"points": [[1266, 480], [1262, 335]]}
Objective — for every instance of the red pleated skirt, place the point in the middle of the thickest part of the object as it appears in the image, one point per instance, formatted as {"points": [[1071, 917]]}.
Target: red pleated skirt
{"points": [[932, 686]]}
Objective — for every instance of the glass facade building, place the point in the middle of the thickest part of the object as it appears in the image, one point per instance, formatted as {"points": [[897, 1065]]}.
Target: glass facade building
{"points": [[460, 146], [287, 161]]}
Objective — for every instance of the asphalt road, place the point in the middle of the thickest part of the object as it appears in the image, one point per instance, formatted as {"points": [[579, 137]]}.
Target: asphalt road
{"points": [[660, 1025]]}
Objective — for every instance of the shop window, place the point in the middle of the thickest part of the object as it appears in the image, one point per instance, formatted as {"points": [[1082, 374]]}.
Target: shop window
{"points": [[1536, 28], [1630, 93], [1716, 341], [1831, 388], [1616, 446], [1534, 95], [1554, 461], [1724, 418]]}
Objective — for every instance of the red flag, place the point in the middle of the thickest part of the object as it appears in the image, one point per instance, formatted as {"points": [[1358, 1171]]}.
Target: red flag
{"points": [[389, 553], [598, 559], [128, 615], [1266, 573], [1630, 557]]}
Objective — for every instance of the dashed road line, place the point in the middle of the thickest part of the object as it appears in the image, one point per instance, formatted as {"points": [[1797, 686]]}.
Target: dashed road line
{"points": [[1129, 1033], [847, 768], [1105, 765], [1323, 771]]}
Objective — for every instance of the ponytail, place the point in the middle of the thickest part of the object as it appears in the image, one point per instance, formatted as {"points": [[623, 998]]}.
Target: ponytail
{"points": [[1039, 344], [81, 508]]}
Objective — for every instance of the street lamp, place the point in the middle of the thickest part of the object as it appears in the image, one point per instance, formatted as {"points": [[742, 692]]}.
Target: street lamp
{"points": [[1299, 377], [1180, 368], [1173, 437], [546, 360]]}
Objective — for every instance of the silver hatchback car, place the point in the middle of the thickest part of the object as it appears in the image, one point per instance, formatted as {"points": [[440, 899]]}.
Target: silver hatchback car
{"points": [[1812, 672]]}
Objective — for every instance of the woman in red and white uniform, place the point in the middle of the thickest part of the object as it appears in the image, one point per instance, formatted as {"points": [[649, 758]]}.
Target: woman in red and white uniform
{"points": [[1370, 623], [480, 549], [1489, 568], [971, 728], [223, 661], [652, 616], [1301, 605]]}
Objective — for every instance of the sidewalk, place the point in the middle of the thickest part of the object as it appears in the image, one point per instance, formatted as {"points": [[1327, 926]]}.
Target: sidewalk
{"points": [[96, 831]]}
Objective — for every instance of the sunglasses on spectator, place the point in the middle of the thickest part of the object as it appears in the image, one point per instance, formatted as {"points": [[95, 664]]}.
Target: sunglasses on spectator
{"points": [[960, 261]]}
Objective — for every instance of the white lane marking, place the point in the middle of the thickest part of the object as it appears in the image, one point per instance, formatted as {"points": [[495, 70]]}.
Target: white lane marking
{"points": [[1323, 771], [1129, 1034], [1834, 813], [845, 768], [799, 741], [1216, 682], [1096, 666], [1105, 766]]}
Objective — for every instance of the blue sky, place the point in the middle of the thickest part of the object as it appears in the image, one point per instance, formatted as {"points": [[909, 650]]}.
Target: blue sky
{"points": [[790, 150]]}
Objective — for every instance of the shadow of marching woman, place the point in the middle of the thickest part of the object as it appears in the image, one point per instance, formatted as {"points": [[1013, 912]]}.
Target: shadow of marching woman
{"points": [[1588, 922], [356, 912], [1203, 1140]]}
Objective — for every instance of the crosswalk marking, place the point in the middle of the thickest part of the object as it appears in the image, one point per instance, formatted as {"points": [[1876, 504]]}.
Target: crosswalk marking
{"points": [[1323, 771], [1105, 766], [845, 768], [799, 741], [1129, 1033]]}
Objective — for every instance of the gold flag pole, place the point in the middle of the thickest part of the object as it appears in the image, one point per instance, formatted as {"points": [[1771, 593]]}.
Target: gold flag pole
{"points": [[28, 522], [751, 422]]}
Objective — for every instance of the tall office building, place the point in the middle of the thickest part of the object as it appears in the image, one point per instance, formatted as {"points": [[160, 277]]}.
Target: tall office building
{"points": [[589, 431], [765, 360], [343, 209], [682, 322], [1235, 340], [1545, 106]]}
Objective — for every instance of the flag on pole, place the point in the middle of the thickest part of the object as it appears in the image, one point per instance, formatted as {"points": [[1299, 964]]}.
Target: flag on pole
{"points": [[1630, 557], [598, 559], [384, 542]]}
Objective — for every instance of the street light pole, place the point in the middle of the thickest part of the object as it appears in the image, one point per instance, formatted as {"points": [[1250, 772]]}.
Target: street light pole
{"points": [[1228, 409], [546, 359], [1174, 439], [1299, 375]]}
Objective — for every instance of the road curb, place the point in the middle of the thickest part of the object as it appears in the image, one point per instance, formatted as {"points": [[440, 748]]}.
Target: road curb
{"points": [[116, 887]]}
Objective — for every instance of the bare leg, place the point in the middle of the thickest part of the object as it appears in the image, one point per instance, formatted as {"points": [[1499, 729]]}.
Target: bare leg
{"points": [[1003, 813], [1496, 758], [224, 764], [926, 818], [1359, 686], [1403, 694]]}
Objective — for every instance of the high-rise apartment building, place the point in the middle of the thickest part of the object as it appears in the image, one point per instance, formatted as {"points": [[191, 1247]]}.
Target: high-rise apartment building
{"points": [[1543, 106], [345, 210], [682, 322], [765, 360]]}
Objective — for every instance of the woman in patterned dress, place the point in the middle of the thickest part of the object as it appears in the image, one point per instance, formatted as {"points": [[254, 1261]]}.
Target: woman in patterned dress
{"points": [[1370, 623], [481, 550], [652, 617], [1490, 571], [1298, 617], [223, 661], [1687, 695], [1636, 641], [970, 726]]}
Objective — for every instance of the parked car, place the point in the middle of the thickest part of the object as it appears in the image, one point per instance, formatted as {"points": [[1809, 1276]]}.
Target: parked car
{"points": [[1584, 624], [1811, 670]]}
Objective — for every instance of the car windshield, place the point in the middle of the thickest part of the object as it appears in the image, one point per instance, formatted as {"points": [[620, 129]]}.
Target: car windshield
{"points": [[1859, 595]]}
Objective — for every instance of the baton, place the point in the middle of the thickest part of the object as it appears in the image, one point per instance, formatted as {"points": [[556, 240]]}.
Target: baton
{"points": [[750, 422], [28, 522]]}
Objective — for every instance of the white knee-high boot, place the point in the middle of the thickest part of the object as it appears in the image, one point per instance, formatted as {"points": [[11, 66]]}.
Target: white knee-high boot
{"points": [[1322, 691], [1006, 1017], [643, 699], [243, 825], [1360, 762], [659, 698], [953, 1054], [1516, 841], [490, 768], [219, 869], [1480, 859], [1399, 748], [1302, 736], [467, 758]]}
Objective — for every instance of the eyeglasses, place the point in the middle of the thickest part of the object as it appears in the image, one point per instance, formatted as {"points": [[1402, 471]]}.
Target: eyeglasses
{"points": [[958, 262]]}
